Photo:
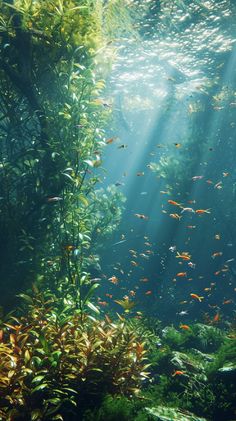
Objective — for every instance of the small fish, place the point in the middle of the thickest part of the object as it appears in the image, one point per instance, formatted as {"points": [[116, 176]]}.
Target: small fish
{"points": [[123, 146], [185, 327], [148, 292], [172, 202], [227, 302], [54, 199], [197, 177], [177, 145], [218, 185], [133, 263], [102, 303], [181, 274], [183, 313], [201, 211], [192, 265], [184, 256], [191, 227], [187, 210], [140, 174], [144, 279], [197, 297], [216, 318], [141, 216], [149, 252], [114, 280], [110, 140], [217, 237], [175, 216], [216, 254], [178, 373], [144, 256], [172, 248], [225, 174]]}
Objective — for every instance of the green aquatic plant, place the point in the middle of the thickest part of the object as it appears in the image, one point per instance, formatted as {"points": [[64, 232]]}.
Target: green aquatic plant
{"points": [[126, 304], [176, 339], [225, 356], [207, 338], [51, 363], [51, 138]]}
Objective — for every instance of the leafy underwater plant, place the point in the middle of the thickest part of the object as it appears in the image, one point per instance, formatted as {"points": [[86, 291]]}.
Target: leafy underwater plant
{"points": [[50, 363], [52, 139], [207, 338]]}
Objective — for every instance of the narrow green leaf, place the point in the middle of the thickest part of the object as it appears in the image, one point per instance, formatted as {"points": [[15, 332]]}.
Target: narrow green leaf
{"points": [[93, 307], [40, 387]]}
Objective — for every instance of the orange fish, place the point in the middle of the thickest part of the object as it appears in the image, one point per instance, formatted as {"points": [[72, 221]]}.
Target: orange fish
{"points": [[185, 327], [172, 202], [201, 211], [178, 373], [144, 279], [175, 216], [197, 297], [108, 295], [148, 292], [114, 280], [227, 301], [181, 274], [184, 256], [111, 140], [216, 317], [102, 303]]}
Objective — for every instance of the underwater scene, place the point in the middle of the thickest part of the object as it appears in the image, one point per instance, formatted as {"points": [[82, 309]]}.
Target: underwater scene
{"points": [[118, 210]]}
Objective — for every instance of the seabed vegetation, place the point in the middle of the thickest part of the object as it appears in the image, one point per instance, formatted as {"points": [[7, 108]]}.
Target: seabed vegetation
{"points": [[86, 330]]}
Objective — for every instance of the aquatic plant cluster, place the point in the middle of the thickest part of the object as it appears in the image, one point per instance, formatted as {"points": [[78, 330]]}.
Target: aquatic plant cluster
{"points": [[76, 92]]}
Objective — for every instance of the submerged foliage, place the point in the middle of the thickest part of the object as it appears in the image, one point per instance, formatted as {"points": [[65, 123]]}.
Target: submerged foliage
{"points": [[51, 363], [53, 115]]}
